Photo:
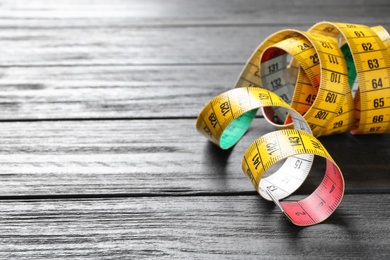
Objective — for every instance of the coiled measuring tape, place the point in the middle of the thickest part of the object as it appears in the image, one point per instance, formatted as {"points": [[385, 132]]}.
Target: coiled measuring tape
{"points": [[335, 77]]}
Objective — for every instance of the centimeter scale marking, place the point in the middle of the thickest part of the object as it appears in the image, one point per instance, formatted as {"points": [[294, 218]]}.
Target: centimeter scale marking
{"points": [[297, 146], [336, 77], [372, 64]]}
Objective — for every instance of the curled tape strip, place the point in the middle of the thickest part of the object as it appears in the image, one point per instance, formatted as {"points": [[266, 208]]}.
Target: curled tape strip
{"points": [[334, 78]]}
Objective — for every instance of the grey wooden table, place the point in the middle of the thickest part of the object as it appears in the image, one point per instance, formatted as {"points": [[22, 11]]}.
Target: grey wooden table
{"points": [[99, 156]]}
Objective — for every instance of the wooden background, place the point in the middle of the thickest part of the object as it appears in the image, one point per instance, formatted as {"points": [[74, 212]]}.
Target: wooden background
{"points": [[99, 156]]}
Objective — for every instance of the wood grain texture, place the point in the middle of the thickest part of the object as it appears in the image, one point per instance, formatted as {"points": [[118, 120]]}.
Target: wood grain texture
{"points": [[74, 92], [238, 227], [157, 157], [104, 46], [99, 157], [119, 13]]}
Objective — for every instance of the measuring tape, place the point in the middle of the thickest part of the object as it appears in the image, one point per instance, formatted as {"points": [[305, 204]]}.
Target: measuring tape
{"points": [[334, 78], [370, 53]]}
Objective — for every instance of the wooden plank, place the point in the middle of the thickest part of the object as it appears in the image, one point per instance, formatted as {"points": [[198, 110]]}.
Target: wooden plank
{"points": [[121, 13], [158, 157], [111, 91], [44, 44], [105, 46], [189, 227]]}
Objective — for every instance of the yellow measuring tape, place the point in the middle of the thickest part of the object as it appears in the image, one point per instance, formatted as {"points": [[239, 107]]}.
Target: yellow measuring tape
{"points": [[334, 78]]}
